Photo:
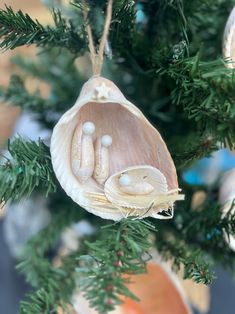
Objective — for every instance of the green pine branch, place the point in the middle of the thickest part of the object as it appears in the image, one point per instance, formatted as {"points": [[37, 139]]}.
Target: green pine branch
{"points": [[205, 90], [122, 250], [193, 148], [59, 71], [196, 264], [195, 239], [100, 272], [56, 70], [55, 290], [206, 227], [19, 29], [53, 286], [28, 168], [17, 94]]}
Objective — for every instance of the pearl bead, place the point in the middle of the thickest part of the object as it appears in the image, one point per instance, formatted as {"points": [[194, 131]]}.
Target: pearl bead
{"points": [[88, 128], [106, 140], [125, 180]]}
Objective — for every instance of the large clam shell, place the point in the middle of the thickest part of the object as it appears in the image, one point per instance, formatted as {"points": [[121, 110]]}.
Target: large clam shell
{"points": [[135, 143]]}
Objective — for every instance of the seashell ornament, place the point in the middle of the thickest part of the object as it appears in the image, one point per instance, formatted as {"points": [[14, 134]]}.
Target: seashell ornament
{"points": [[226, 200], [229, 40], [110, 160], [107, 156]]}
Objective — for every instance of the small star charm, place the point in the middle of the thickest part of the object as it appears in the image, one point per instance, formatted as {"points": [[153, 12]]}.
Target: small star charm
{"points": [[101, 92]]}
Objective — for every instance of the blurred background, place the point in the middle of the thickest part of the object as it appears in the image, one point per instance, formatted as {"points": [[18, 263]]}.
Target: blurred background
{"points": [[12, 120]]}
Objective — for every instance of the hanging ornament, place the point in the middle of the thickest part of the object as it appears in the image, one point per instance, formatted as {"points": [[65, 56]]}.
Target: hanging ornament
{"points": [[229, 41], [226, 199], [107, 156]]}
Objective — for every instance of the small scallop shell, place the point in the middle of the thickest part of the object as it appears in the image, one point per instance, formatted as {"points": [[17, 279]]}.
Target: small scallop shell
{"points": [[115, 194], [135, 142], [229, 40], [153, 202]]}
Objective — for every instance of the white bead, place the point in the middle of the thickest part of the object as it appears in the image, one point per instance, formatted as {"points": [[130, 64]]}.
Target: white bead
{"points": [[125, 180], [106, 140], [88, 128]]}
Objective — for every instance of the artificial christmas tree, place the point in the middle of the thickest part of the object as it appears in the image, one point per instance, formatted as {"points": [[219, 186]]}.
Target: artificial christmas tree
{"points": [[164, 56]]}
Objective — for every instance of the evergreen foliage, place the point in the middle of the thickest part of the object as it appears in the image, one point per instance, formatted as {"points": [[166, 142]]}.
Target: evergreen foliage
{"points": [[169, 64], [53, 285], [19, 29], [126, 252], [28, 168]]}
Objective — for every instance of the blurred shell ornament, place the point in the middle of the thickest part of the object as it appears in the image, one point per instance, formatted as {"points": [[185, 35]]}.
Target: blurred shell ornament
{"points": [[229, 40], [227, 200], [16, 226], [110, 160]]}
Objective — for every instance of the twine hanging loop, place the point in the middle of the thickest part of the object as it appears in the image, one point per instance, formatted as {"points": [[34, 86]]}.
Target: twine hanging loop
{"points": [[97, 57]]}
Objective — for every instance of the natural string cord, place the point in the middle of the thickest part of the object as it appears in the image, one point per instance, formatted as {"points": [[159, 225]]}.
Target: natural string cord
{"points": [[97, 57]]}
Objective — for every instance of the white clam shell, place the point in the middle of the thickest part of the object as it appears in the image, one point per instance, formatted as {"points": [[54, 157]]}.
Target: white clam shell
{"points": [[229, 40], [135, 142]]}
